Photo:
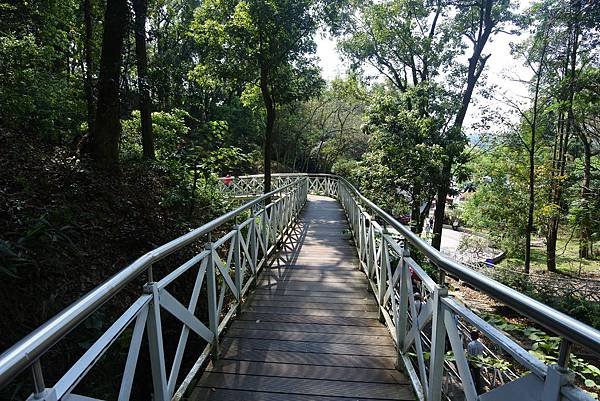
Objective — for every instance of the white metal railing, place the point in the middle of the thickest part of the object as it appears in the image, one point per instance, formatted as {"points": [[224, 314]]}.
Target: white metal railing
{"points": [[431, 333], [223, 271], [249, 185], [556, 285]]}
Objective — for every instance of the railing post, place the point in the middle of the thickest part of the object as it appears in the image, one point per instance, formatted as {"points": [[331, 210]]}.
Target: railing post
{"points": [[558, 375], [438, 342], [370, 251], [38, 380], [213, 313], [155, 344], [359, 233], [265, 231], [564, 353], [237, 257], [356, 228], [556, 378], [383, 265], [40, 392], [279, 211], [401, 320], [253, 244]]}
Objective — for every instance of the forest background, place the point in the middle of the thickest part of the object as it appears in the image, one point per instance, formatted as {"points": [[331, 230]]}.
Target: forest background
{"points": [[117, 118]]}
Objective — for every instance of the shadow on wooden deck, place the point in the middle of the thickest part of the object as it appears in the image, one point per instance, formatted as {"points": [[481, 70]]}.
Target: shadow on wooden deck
{"points": [[309, 331]]}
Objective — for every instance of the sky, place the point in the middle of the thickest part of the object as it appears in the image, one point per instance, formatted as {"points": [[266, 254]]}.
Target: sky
{"points": [[502, 69]]}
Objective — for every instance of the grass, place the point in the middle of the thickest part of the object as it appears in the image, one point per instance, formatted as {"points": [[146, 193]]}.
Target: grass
{"points": [[567, 257]]}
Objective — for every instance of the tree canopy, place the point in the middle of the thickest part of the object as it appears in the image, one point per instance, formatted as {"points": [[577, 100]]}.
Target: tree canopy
{"points": [[118, 117]]}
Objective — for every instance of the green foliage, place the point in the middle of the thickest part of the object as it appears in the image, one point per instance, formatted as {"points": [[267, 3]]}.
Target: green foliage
{"points": [[575, 306], [38, 92], [499, 205], [169, 128], [392, 36], [171, 57], [177, 144], [12, 259], [191, 160], [345, 168], [489, 362], [39, 232], [403, 157], [329, 127], [239, 39], [546, 347], [583, 214]]}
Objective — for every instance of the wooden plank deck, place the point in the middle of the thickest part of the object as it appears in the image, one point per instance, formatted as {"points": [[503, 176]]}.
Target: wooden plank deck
{"points": [[309, 331]]}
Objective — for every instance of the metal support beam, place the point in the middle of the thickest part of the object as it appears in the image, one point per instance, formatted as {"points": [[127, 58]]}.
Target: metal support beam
{"points": [[213, 311], [383, 279], [564, 353], [438, 341], [155, 344], [39, 387]]}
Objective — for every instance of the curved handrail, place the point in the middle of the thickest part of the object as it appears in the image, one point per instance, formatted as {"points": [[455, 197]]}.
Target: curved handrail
{"points": [[30, 349], [555, 321], [24, 353], [551, 319]]}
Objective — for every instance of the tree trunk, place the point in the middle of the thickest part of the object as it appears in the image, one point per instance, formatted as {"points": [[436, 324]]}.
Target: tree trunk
{"points": [[551, 244], [565, 131], [89, 64], [105, 139], [531, 205], [424, 215], [416, 224], [552, 233], [476, 65], [270, 124], [415, 217], [318, 158], [141, 9], [440, 205], [584, 235]]}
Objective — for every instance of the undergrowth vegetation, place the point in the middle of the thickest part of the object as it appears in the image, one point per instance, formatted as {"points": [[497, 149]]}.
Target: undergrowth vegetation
{"points": [[545, 347], [66, 229]]}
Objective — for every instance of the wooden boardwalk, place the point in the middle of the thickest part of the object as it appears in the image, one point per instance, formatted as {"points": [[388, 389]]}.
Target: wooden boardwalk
{"points": [[309, 331]]}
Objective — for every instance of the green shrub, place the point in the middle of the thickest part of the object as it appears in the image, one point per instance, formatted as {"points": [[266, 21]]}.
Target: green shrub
{"points": [[34, 94]]}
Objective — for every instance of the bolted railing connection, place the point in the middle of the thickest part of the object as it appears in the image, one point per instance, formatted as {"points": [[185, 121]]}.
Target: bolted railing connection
{"points": [[223, 272]]}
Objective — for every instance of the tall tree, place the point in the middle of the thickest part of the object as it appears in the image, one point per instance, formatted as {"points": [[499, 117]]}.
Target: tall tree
{"points": [[476, 21], [326, 129], [88, 38], [587, 121], [267, 43], [567, 50], [534, 53], [404, 157], [406, 42], [401, 40], [172, 55], [140, 8], [105, 138], [420, 44]]}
